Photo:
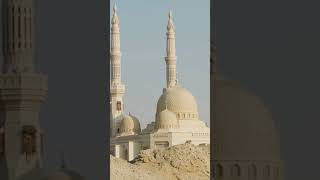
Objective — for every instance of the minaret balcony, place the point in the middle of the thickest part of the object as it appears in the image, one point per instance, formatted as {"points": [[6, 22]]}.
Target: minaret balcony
{"points": [[23, 86], [117, 89]]}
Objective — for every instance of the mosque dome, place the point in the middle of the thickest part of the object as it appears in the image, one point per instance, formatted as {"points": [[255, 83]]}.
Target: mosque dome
{"points": [[137, 127], [166, 119], [179, 101], [129, 124], [243, 127]]}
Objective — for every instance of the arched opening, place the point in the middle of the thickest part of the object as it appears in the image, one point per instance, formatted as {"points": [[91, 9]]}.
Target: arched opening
{"points": [[252, 172], [119, 108], [277, 172], [236, 170], [219, 171], [267, 172]]}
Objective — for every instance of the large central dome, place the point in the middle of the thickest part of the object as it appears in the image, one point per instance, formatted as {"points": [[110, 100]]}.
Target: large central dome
{"points": [[180, 101], [243, 127]]}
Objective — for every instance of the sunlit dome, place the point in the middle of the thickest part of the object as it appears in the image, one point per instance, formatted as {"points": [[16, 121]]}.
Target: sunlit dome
{"points": [[166, 119], [179, 101]]}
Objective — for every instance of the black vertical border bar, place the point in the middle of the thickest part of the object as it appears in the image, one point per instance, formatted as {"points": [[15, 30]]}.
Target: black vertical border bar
{"points": [[108, 117], [212, 39]]}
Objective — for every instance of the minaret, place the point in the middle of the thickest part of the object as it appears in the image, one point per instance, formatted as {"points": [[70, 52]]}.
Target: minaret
{"points": [[117, 88], [22, 93], [18, 36], [171, 54]]}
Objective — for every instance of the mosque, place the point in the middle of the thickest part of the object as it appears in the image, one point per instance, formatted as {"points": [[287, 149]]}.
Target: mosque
{"points": [[176, 119], [245, 147]]}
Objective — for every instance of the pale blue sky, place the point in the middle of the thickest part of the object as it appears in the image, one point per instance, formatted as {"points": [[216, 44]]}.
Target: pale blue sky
{"points": [[143, 39]]}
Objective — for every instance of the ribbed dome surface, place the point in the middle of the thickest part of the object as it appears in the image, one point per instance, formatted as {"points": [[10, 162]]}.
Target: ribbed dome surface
{"points": [[136, 121], [243, 128], [127, 124], [178, 100], [166, 119]]}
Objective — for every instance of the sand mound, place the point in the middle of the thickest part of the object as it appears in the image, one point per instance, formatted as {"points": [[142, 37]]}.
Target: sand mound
{"points": [[180, 162]]}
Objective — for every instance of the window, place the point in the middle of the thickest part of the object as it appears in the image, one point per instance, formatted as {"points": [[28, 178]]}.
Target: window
{"points": [[236, 170], [267, 171], [252, 172], [219, 171], [29, 134], [119, 108]]}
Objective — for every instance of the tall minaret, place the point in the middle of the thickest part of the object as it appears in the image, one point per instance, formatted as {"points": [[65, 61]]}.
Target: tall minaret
{"points": [[22, 93], [171, 54], [117, 88], [18, 36]]}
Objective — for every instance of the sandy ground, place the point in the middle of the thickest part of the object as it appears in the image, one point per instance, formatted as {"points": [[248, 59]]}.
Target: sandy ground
{"points": [[180, 162]]}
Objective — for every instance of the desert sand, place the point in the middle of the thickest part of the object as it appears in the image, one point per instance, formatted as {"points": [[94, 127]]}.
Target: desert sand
{"points": [[180, 162]]}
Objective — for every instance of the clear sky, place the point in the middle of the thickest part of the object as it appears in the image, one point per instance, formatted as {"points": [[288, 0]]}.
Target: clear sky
{"points": [[143, 39]]}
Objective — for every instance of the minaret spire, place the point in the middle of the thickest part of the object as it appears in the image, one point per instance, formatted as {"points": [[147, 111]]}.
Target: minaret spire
{"points": [[171, 53], [117, 88], [115, 8]]}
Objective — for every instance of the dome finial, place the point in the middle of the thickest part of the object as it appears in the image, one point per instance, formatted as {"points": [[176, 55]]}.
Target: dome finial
{"points": [[115, 8], [170, 14]]}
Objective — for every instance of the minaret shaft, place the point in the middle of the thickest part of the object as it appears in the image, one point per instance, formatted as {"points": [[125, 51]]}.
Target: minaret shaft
{"points": [[18, 36], [22, 93], [171, 54], [117, 88]]}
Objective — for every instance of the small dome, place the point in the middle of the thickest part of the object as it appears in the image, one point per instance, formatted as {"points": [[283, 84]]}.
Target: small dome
{"points": [[127, 124], [166, 119], [179, 101], [137, 127]]}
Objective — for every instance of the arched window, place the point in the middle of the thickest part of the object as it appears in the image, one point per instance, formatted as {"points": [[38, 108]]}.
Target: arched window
{"points": [[119, 106], [252, 172], [219, 171], [277, 172], [118, 130], [236, 170], [267, 171]]}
